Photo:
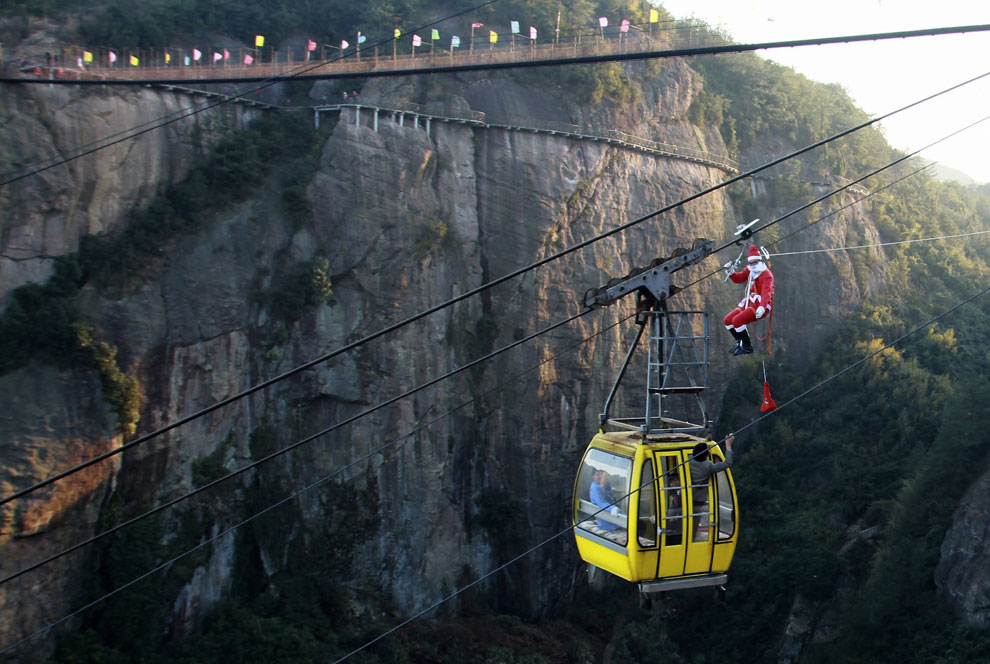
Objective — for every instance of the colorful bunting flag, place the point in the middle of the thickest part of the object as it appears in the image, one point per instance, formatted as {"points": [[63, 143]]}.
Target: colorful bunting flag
{"points": [[532, 33], [87, 56], [259, 40], [654, 16], [216, 56], [187, 60], [455, 41], [168, 58], [310, 45], [515, 27], [416, 40], [343, 44], [361, 38], [226, 55], [477, 25], [113, 57], [602, 21], [247, 59], [492, 36], [435, 35], [197, 54], [397, 34], [134, 61], [625, 26]]}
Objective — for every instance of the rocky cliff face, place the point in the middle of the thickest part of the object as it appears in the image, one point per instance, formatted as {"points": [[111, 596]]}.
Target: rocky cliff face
{"points": [[962, 573], [402, 219], [45, 215]]}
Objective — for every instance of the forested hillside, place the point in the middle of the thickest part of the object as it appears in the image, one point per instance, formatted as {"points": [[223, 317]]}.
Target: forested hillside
{"points": [[848, 491]]}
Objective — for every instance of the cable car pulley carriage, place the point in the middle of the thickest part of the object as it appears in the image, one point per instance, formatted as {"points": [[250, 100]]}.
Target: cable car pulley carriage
{"points": [[636, 511]]}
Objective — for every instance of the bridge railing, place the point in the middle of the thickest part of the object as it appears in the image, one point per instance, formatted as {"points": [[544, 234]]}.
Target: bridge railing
{"points": [[516, 49]]}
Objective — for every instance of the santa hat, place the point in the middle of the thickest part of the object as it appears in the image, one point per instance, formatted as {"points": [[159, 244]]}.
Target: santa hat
{"points": [[754, 254]]}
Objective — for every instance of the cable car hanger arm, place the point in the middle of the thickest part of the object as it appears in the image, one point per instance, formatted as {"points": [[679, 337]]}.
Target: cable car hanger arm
{"points": [[653, 279]]}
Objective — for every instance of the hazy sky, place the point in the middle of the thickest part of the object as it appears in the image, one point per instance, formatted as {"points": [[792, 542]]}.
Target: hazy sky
{"points": [[885, 75]]}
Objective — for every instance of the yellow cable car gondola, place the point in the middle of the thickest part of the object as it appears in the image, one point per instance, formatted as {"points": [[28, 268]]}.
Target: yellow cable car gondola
{"points": [[637, 511], [661, 529]]}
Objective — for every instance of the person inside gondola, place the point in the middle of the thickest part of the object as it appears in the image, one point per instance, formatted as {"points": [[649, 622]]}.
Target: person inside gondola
{"points": [[702, 469], [600, 493], [755, 304], [674, 509]]}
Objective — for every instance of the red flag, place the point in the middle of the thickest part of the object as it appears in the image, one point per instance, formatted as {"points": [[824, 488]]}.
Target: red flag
{"points": [[768, 402]]}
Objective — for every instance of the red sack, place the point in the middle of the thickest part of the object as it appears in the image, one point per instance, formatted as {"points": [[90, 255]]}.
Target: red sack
{"points": [[768, 402]]}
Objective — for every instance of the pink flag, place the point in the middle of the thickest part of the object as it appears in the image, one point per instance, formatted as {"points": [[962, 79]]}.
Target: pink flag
{"points": [[416, 40], [602, 21], [197, 54], [226, 55], [477, 25], [532, 32], [311, 45], [625, 26], [79, 63], [248, 59], [343, 44], [217, 56], [113, 57]]}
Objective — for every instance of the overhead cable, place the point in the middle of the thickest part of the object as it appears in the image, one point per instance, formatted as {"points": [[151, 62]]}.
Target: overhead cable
{"points": [[475, 291], [310, 486], [569, 529], [284, 450], [551, 62]]}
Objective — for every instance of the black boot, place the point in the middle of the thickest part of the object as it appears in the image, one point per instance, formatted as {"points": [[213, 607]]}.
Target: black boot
{"points": [[745, 344], [738, 337]]}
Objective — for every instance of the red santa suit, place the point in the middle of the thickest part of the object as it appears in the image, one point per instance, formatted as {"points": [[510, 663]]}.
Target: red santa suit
{"points": [[756, 303]]}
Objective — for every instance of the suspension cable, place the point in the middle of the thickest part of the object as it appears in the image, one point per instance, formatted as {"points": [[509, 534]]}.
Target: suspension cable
{"points": [[632, 492], [472, 292], [551, 62], [316, 483], [284, 450], [880, 244]]}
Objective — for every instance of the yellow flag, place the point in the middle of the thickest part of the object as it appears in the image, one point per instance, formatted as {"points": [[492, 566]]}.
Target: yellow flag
{"points": [[168, 58], [654, 16], [87, 56], [259, 40], [492, 36], [134, 61], [397, 34]]}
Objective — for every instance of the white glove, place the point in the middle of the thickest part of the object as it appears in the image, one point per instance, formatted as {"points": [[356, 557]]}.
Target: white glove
{"points": [[760, 311], [728, 268], [614, 511]]}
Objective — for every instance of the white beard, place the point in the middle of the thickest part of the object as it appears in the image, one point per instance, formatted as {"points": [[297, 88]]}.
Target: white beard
{"points": [[756, 269]]}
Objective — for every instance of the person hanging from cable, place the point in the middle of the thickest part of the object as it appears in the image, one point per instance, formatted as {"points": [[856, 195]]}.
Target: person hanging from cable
{"points": [[757, 301]]}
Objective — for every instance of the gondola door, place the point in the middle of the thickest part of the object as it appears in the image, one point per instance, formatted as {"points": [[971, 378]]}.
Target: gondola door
{"points": [[702, 523], [673, 522]]}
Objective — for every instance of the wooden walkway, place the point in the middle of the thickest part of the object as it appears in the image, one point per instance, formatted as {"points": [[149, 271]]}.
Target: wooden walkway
{"points": [[418, 116]]}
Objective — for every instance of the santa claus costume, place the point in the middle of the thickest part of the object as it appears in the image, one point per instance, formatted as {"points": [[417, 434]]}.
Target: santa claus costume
{"points": [[756, 303]]}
